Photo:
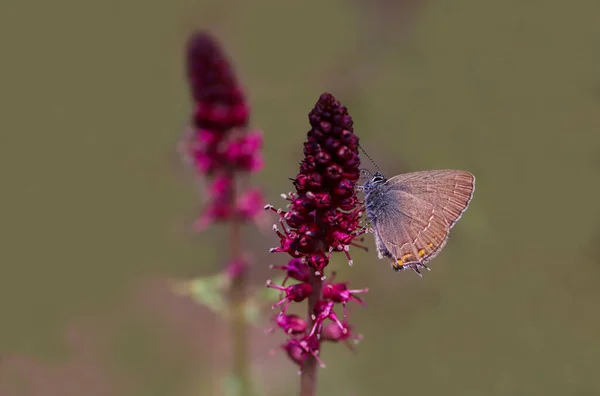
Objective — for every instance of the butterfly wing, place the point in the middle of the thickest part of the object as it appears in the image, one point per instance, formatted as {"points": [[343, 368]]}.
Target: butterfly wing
{"points": [[412, 230], [447, 190], [422, 207]]}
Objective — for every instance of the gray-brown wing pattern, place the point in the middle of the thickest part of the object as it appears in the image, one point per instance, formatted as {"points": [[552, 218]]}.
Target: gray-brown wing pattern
{"points": [[413, 232], [447, 190], [426, 206]]}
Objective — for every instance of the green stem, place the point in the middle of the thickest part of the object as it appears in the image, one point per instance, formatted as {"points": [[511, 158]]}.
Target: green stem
{"points": [[239, 324]]}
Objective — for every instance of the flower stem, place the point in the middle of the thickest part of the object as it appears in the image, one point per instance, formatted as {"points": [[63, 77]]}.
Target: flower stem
{"points": [[239, 331], [308, 378], [239, 325]]}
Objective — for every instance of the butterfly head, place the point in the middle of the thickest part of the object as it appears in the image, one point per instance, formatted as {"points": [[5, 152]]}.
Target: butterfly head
{"points": [[376, 180]]}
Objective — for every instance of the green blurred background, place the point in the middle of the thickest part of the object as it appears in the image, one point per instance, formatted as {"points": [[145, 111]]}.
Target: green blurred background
{"points": [[94, 202]]}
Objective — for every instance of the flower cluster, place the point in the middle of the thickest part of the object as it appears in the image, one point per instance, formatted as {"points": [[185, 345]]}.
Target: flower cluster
{"points": [[223, 151], [220, 144], [323, 217]]}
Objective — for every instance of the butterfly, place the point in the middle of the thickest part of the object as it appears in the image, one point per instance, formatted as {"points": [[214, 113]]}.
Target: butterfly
{"points": [[411, 214]]}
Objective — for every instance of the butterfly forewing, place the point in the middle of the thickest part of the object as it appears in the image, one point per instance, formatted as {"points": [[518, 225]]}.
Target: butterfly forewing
{"points": [[449, 191]]}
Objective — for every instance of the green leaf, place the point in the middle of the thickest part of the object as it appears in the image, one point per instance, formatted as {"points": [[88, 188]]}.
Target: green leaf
{"points": [[207, 291]]}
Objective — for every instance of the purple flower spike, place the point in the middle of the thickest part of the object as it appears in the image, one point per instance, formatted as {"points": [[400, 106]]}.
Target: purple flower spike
{"points": [[324, 212], [220, 146], [322, 217], [223, 151]]}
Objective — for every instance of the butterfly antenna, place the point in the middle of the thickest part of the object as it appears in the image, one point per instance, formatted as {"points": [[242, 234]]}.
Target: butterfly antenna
{"points": [[370, 159]]}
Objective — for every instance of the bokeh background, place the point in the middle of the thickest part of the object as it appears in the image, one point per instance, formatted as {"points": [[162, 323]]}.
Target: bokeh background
{"points": [[94, 202]]}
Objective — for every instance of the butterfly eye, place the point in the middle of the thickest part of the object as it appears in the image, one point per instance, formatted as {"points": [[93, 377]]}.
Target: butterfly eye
{"points": [[378, 179]]}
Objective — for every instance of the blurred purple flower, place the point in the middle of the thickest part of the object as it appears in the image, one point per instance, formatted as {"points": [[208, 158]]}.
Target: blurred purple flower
{"points": [[323, 217], [223, 150], [220, 144]]}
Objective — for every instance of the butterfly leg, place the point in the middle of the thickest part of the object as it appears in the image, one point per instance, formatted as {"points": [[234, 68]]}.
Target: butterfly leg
{"points": [[422, 265], [416, 270], [411, 266]]}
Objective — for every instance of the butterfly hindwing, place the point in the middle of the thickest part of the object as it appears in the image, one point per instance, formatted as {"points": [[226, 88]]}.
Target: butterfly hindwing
{"points": [[414, 232]]}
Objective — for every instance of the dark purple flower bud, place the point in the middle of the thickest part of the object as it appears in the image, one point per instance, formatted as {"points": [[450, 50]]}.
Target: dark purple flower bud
{"points": [[294, 218], [323, 158], [324, 310], [325, 127], [320, 200], [295, 351], [303, 205], [297, 293], [344, 153], [300, 182], [334, 172], [311, 148], [310, 230], [288, 243], [308, 166], [299, 350], [291, 324], [315, 181], [339, 238], [318, 260], [334, 333], [353, 162], [348, 203], [349, 138], [344, 189], [332, 217], [339, 293], [295, 269]]}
